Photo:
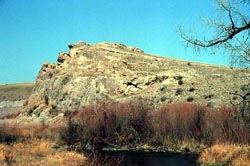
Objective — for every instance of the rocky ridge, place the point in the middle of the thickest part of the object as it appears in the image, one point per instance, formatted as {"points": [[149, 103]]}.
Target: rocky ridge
{"points": [[111, 72]]}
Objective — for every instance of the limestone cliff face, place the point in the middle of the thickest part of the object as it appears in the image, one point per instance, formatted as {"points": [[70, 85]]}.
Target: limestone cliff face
{"points": [[109, 72]]}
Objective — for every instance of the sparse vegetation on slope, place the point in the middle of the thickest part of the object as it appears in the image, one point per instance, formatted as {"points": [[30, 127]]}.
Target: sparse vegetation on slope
{"points": [[15, 92], [12, 97]]}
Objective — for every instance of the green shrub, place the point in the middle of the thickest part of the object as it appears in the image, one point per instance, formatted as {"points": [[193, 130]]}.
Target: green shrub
{"points": [[191, 89], [190, 99], [180, 82], [178, 91]]}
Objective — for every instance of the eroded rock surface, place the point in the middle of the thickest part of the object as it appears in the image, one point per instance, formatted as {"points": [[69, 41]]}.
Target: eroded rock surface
{"points": [[109, 72]]}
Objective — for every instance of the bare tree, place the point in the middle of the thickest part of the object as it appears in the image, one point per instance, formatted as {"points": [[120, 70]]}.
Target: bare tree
{"points": [[232, 34], [231, 31]]}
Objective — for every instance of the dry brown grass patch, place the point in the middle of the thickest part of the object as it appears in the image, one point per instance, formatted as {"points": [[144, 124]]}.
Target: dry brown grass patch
{"points": [[6, 155], [242, 160], [67, 158], [235, 155], [38, 152]]}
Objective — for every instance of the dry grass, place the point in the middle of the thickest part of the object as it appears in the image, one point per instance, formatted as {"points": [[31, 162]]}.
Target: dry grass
{"points": [[6, 155], [37, 152], [14, 92], [191, 145], [234, 155]]}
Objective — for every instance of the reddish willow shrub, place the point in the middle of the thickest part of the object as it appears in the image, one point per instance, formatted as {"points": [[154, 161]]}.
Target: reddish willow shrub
{"points": [[181, 121], [110, 125], [136, 122], [133, 123], [226, 125], [11, 132]]}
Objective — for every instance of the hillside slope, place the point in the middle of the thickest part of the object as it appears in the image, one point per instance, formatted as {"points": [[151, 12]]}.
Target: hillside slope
{"points": [[12, 97], [111, 72], [15, 92]]}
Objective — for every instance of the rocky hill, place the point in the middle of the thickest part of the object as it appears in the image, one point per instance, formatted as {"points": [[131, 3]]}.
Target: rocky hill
{"points": [[110, 72]]}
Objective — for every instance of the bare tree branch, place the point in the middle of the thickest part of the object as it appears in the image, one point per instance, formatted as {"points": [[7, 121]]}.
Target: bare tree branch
{"points": [[214, 42], [231, 34]]}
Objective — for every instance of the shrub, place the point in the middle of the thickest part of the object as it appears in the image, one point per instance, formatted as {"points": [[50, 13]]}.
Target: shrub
{"points": [[109, 124], [182, 121], [190, 99], [163, 98], [7, 135], [178, 91], [11, 132], [180, 82], [178, 77], [224, 125], [179, 121], [209, 96], [191, 89], [133, 123], [163, 89]]}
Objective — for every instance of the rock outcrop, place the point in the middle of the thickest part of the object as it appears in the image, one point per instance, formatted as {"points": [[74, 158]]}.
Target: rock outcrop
{"points": [[110, 72]]}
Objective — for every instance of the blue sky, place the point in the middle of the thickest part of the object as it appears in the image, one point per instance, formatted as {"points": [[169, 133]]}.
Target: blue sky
{"points": [[35, 31]]}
